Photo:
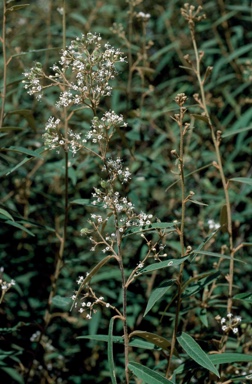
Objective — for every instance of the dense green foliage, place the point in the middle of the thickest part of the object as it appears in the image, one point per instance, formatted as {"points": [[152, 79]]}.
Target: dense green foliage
{"points": [[179, 299]]}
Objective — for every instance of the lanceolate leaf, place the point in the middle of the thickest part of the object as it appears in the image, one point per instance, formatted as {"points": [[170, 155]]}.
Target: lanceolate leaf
{"points": [[158, 293], [147, 375], [6, 214], [244, 180], [110, 352], [244, 296], [201, 282], [146, 228], [213, 254], [224, 358], [196, 352], [159, 341], [61, 302], [24, 151], [19, 226], [27, 159], [163, 264]]}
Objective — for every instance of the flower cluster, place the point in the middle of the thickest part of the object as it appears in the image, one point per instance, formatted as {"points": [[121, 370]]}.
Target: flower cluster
{"points": [[212, 224], [123, 209], [103, 128], [143, 16], [5, 286], [230, 323], [89, 301], [33, 81], [53, 137], [115, 170], [83, 72]]}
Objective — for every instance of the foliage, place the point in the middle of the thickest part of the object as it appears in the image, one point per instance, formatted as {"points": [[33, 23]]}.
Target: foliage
{"points": [[125, 198]]}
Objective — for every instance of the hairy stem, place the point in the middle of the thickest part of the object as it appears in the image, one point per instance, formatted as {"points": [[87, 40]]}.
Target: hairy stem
{"points": [[221, 171], [181, 236]]}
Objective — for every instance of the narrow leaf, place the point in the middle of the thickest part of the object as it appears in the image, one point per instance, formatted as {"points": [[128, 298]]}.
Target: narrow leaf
{"points": [[25, 160], [196, 352], [151, 227], [137, 343], [61, 302], [81, 201], [213, 254], [247, 296], [115, 339], [163, 264], [224, 358], [19, 226], [236, 132], [158, 293], [6, 214], [244, 180], [202, 281], [159, 341], [24, 151], [110, 352], [206, 240], [13, 374], [147, 375]]}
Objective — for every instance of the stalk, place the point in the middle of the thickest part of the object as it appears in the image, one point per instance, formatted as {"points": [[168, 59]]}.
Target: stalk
{"points": [[3, 40], [216, 142], [180, 99]]}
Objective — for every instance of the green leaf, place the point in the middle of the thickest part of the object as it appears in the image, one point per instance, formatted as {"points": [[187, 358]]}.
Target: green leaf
{"points": [[24, 151], [158, 293], [13, 374], [202, 281], [26, 159], [196, 352], [213, 254], [119, 340], [151, 227], [157, 340], [61, 302], [205, 241], [19, 226], [110, 352], [81, 201], [236, 132], [146, 374], [244, 297], [225, 358], [116, 339], [6, 214], [244, 180], [163, 264]]}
